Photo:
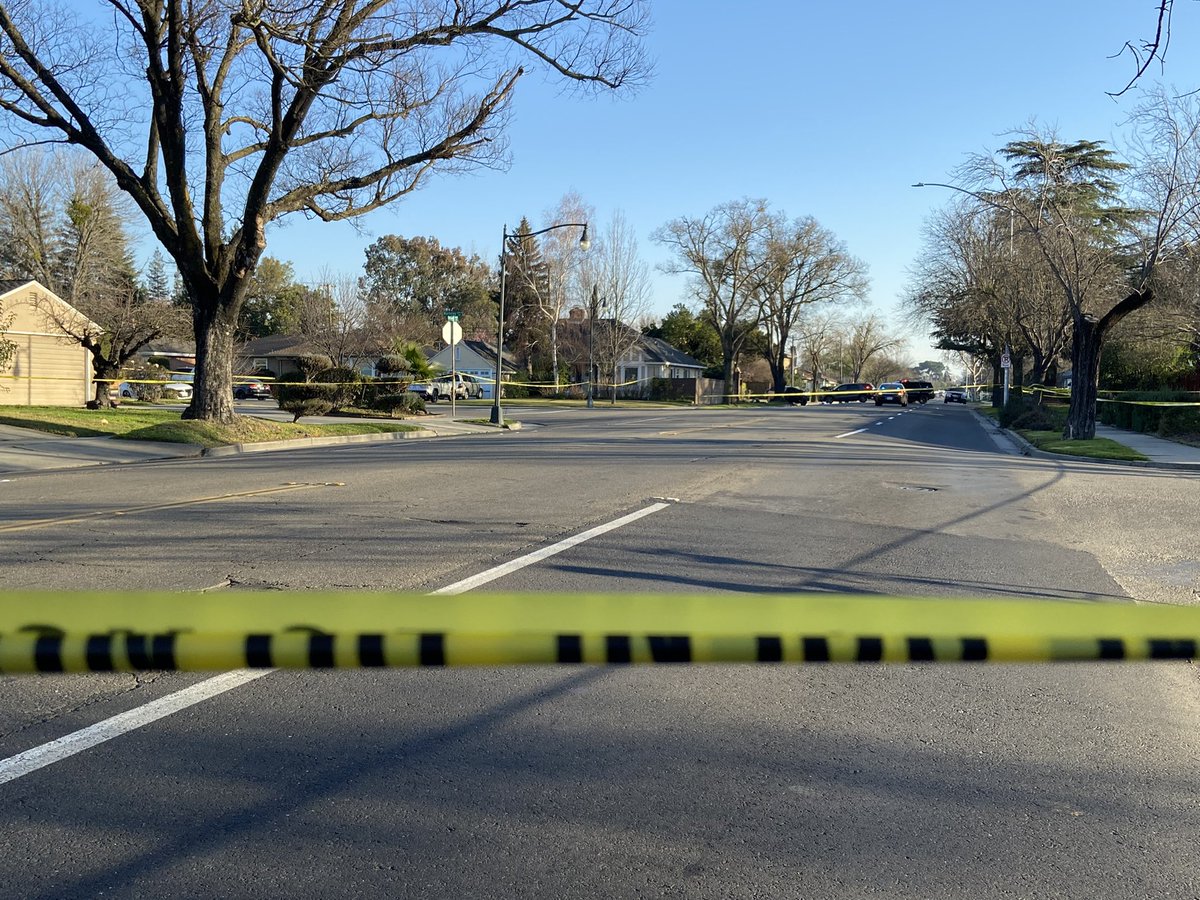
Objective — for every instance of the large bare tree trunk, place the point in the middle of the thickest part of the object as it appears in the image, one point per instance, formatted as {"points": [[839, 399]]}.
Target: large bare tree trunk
{"points": [[1088, 341], [212, 391], [1085, 379], [102, 380]]}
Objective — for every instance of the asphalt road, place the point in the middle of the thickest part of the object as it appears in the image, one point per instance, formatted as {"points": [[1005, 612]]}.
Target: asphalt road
{"points": [[903, 781]]}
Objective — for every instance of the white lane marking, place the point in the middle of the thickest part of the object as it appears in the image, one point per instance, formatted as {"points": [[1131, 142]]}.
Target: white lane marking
{"points": [[538, 555], [61, 748], [848, 433], [86, 738]]}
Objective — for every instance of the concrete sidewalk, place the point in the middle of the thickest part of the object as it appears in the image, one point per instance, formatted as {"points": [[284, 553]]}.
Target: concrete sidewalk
{"points": [[28, 450], [24, 450], [1159, 451]]}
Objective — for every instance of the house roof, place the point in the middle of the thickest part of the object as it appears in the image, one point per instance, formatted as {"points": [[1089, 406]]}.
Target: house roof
{"points": [[12, 285], [665, 353], [279, 345], [169, 348], [487, 352]]}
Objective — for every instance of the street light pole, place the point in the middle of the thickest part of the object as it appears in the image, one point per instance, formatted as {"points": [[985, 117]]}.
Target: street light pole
{"points": [[591, 401], [497, 416]]}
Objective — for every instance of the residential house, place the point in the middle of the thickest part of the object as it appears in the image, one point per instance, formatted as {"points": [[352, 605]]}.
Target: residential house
{"points": [[284, 356], [49, 369], [476, 358], [647, 367], [180, 356]]}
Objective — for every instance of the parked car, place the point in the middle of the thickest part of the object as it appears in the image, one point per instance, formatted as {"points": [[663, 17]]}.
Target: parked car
{"points": [[474, 386], [176, 390], [862, 391], [891, 392], [173, 391], [918, 391], [794, 395], [446, 386], [955, 395], [248, 390], [422, 390]]}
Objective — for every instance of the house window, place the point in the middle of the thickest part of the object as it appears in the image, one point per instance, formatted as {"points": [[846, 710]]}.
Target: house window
{"points": [[631, 373], [261, 363]]}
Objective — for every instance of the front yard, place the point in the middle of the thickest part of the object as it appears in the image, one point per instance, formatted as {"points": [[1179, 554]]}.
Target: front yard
{"points": [[149, 424]]}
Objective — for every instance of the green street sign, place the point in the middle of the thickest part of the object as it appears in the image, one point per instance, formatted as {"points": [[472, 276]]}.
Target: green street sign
{"points": [[452, 315]]}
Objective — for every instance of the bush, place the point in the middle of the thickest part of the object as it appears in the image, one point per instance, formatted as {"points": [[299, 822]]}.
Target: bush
{"points": [[340, 387], [1126, 412], [406, 403], [305, 406], [1022, 413], [146, 372], [513, 391]]}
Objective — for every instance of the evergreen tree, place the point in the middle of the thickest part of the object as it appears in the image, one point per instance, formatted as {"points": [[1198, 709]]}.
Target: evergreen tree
{"points": [[157, 285], [525, 284]]}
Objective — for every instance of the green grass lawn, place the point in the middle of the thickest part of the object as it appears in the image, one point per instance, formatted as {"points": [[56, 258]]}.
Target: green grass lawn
{"points": [[1053, 442], [149, 424], [1096, 448]]}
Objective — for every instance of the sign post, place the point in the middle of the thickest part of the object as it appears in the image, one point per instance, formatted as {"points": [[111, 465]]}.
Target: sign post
{"points": [[452, 334], [1006, 365]]}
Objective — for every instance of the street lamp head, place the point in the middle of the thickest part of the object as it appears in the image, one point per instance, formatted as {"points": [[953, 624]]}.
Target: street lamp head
{"points": [[584, 243], [919, 184]]}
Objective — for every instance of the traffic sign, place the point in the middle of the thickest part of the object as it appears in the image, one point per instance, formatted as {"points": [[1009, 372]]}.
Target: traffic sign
{"points": [[1005, 361], [452, 332], [453, 315]]}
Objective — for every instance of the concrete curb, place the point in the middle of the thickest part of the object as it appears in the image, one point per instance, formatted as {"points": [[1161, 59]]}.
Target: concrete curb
{"points": [[300, 443], [1027, 449]]}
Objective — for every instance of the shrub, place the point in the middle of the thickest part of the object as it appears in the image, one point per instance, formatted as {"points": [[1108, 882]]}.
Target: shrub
{"points": [[1022, 413], [305, 406], [513, 391], [1126, 412], [340, 386], [146, 372], [405, 403], [1179, 421]]}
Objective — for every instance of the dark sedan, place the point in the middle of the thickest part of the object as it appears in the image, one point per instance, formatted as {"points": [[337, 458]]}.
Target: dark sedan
{"points": [[251, 390]]}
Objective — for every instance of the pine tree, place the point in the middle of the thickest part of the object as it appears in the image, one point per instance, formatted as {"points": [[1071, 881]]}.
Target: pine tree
{"points": [[157, 285], [526, 283]]}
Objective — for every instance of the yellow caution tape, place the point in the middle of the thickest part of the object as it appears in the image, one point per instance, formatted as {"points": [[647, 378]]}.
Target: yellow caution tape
{"points": [[103, 632]]}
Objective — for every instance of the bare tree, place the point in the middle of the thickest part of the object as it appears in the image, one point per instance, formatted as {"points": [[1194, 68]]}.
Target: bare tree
{"points": [[818, 331], [721, 251], [614, 274], [8, 349], [866, 338], [64, 226], [254, 111], [804, 264], [561, 284], [334, 320], [1103, 245]]}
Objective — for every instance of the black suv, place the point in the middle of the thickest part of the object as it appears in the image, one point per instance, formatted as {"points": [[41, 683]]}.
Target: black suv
{"points": [[848, 393], [918, 391]]}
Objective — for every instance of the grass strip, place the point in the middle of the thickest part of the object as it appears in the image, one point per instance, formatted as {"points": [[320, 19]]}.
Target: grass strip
{"points": [[1096, 448], [144, 424]]}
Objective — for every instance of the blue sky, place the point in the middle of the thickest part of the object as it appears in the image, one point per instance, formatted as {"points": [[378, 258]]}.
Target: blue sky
{"points": [[824, 109]]}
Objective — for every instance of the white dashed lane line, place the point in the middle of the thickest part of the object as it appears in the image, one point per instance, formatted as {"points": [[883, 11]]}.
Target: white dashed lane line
{"points": [[880, 422]]}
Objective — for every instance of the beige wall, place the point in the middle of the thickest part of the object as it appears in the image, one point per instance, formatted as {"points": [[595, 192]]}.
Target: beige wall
{"points": [[48, 370]]}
